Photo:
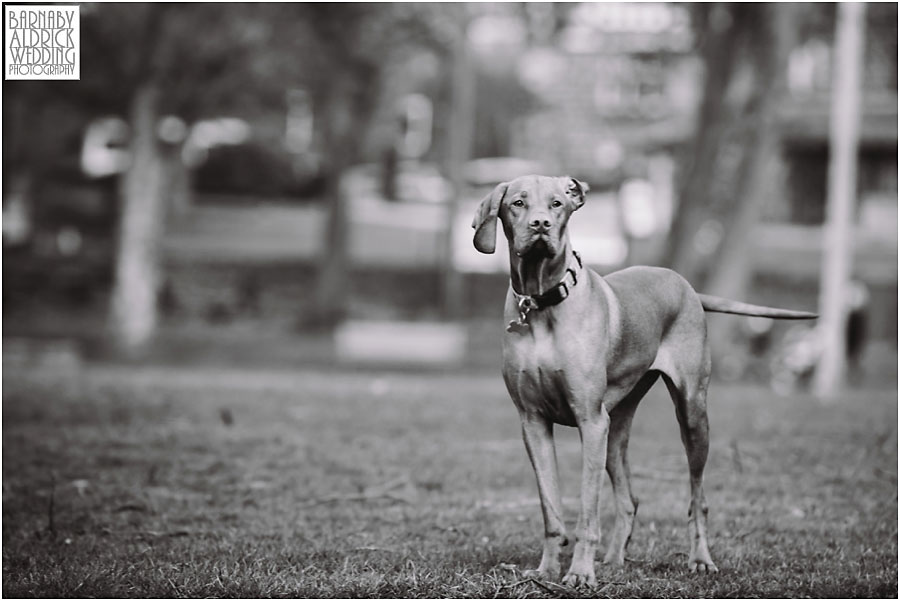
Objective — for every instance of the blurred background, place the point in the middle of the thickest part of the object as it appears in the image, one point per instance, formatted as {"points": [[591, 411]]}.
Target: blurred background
{"points": [[293, 184]]}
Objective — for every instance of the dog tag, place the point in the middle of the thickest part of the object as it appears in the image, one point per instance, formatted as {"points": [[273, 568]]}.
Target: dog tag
{"points": [[519, 327], [526, 304]]}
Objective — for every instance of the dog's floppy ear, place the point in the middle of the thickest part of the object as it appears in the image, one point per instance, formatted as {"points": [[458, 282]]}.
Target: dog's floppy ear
{"points": [[576, 190], [485, 221]]}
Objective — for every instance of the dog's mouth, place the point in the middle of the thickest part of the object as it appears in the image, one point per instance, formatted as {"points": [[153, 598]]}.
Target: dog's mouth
{"points": [[540, 248]]}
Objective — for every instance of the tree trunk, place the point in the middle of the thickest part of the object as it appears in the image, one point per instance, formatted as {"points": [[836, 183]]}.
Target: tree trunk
{"points": [[837, 232], [332, 286], [347, 112], [134, 309], [720, 26], [459, 144], [732, 270]]}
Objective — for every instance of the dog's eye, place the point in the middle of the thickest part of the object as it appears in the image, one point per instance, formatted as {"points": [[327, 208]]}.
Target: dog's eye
{"points": [[555, 204], [518, 203]]}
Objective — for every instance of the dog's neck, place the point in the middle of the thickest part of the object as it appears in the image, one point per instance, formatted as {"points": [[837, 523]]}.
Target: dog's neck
{"points": [[535, 276]]}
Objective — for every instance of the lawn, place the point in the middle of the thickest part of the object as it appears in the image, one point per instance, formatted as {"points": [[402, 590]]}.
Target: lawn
{"points": [[127, 482]]}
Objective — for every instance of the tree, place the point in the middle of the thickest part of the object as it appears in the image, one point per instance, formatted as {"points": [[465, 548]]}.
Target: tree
{"points": [[837, 252], [745, 49], [153, 63], [731, 273], [143, 202], [356, 44]]}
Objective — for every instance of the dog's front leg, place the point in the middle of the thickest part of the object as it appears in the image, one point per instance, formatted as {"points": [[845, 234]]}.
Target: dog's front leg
{"points": [[538, 435], [594, 430]]}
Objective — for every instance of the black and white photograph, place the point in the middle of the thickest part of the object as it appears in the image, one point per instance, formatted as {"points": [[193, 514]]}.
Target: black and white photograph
{"points": [[450, 300]]}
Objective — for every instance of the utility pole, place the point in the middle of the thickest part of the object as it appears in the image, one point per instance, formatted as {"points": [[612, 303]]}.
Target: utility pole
{"points": [[837, 239], [462, 117]]}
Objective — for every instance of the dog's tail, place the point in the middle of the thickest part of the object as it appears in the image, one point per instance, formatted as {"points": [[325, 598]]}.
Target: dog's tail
{"points": [[715, 304]]}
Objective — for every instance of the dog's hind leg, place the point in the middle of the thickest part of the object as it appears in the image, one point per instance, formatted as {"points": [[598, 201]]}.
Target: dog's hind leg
{"points": [[688, 386], [619, 471]]}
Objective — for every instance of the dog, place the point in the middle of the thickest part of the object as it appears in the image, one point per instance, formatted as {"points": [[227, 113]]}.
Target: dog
{"points": [[581, 350]]}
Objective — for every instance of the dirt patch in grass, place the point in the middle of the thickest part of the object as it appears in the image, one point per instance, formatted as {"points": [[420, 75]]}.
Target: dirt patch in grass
{"points": [[177, 483]]}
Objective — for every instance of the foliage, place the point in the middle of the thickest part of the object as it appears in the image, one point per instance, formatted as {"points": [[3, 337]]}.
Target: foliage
{"points": [[198, 483], [239, 61]]}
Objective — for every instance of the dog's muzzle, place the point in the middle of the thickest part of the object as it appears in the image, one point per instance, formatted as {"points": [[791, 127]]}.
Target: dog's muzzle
{"points": [[540, 247]]}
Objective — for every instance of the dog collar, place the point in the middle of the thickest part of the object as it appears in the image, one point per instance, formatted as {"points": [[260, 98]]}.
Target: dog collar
{"points": [[555, 295]]}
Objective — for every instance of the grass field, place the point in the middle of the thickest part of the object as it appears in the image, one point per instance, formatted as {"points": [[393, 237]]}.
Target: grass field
{"points": [[177, 483]]}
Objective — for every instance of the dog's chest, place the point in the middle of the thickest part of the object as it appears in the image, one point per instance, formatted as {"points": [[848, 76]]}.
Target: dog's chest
{"points": [[538, 374]]}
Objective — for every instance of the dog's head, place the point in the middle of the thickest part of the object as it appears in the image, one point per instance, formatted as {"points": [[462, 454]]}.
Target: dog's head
{"points": [[534, 210]]}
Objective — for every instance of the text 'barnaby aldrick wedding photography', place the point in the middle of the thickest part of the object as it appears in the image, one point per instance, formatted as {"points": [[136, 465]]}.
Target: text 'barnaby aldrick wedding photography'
{"points": [[42, 42]]}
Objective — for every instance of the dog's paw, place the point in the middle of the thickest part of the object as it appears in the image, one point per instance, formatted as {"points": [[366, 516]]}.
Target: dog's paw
{"points": [[542, 573], [578, 579], [702, 566]]}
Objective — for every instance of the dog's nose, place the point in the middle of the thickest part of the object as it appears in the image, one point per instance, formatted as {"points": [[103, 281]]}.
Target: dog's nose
{"points": [[541, 225]]}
